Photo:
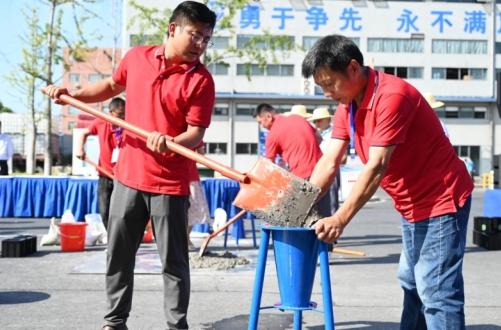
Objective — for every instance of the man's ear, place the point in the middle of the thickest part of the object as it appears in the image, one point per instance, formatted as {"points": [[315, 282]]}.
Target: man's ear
{"points": [[171, 29]]}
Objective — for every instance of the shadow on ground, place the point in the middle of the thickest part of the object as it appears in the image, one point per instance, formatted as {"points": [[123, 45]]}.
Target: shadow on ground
{"points": [[21, 297], [266, 322]]}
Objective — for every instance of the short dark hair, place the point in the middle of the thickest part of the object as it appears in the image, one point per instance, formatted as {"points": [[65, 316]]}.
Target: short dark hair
{"points": [[263, 107], [193, 12], [116, 102], [334, 51]]}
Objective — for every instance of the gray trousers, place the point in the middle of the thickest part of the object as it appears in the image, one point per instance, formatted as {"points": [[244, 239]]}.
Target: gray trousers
{"points": [[104, 190], [130, 210]]}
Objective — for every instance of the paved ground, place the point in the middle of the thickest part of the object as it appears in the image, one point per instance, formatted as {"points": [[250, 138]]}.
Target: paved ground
{"points": [[43, 291]]}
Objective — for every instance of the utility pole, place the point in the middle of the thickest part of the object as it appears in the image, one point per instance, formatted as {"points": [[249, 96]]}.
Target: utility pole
{"points": [[494, 83]]}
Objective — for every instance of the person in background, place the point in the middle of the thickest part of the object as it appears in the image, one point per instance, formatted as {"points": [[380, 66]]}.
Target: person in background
{"points": [[198, 211], [295, 140], [110, 141], [402, 145], [298, 109], [6, 151], [171, 94], [322, 119]]}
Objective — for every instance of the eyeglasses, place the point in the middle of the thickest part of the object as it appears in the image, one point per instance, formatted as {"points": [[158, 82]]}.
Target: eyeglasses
{"points": [[198, 39]]}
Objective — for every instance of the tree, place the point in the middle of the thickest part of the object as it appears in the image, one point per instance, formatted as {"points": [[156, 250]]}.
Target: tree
{"points": [[55, 39], [4, 108], [260, 49], [24, 78]]}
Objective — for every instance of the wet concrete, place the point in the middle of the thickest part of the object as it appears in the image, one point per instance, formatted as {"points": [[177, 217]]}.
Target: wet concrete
{"points": [[218, 261], [292, 210]]}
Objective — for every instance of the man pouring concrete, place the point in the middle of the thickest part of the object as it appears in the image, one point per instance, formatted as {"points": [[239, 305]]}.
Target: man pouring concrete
{"points": [[405, 151]]}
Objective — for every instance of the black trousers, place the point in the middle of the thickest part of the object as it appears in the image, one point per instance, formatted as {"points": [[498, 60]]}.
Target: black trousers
{"points": [[130, 210], [104, 189], [4, 167]]}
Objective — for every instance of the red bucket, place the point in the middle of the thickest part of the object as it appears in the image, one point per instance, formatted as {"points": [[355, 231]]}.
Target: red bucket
{"points": [[72, 236]]}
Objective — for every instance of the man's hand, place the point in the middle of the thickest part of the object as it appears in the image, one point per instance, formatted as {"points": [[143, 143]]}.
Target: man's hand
{"points": [[329, 229], [55, 92], [156, 142], [81, 155]]}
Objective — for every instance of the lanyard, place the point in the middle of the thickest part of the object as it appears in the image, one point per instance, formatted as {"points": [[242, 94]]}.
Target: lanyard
{"points": [[117, 132], [353, 113]]}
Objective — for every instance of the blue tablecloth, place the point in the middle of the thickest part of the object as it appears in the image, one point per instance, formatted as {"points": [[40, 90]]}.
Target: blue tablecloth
{"points": [[492, 203], [221, 193], [45, 197]]}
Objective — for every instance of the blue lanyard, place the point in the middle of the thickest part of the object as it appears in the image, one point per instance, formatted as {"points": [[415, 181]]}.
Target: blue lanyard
{"points": [[353, 112], [353, 109]]}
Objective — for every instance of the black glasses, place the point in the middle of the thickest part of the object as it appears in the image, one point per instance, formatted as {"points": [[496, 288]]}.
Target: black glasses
{"points": [[199, 39]]}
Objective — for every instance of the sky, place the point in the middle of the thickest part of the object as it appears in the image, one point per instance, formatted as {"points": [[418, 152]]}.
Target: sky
{"points": [[13, 25]]}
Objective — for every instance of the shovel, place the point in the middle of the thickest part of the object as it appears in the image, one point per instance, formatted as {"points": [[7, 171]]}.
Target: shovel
{"points": [[217, 232], [98, 168], [267, 190]]}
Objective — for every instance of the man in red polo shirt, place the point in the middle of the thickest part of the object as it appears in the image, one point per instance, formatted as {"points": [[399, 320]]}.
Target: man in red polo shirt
{"points": [[110, 141], [405, 151], [295, 141], [172, 94]]}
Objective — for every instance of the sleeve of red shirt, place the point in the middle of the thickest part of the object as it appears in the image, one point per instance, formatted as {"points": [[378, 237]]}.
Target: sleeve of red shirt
{"points": [[340, 124], [120, 74], [202, 103], [272, 148], [393, 117], [93, 127]]}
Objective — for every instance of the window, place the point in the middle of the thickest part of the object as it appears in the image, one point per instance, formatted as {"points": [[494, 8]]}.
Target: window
{"points": [[458, 73], [220, 42], [480, 112], [17, 142], [216, 148], [245, 109], [403, 72], [252, 69], [255, 41], [246, 148], [466, 112], [440, 46], [393, 45], [451, 112], [74, 78], [308, 41], [469, 151], [221, 109], [93, 77], [282, 70], [220, 69]]}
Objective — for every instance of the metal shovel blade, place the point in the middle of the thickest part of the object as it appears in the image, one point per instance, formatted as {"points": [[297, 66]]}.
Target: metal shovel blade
{"points": [[276, 195]]}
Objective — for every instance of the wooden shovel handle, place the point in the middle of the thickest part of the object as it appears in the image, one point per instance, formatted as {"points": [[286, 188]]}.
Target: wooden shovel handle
{"points": [[177, 148], [98, 168]]}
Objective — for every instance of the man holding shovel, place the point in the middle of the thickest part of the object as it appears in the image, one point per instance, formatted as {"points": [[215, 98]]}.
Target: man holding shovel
{"points": [[110, 140], [405, 151], [295, 141], [171, 93]]}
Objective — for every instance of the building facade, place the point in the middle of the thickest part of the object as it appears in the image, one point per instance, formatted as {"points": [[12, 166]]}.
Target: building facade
{"points": [[97, 64], [447, 48]]}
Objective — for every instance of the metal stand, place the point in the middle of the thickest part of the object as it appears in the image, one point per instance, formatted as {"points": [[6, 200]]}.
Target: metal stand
{"points": [[258, 287]]}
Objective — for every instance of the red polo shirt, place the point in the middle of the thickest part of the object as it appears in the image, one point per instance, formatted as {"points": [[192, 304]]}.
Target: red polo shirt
{"points": [[107, 142], [163, 99], [294, 139], [425, 177]]}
